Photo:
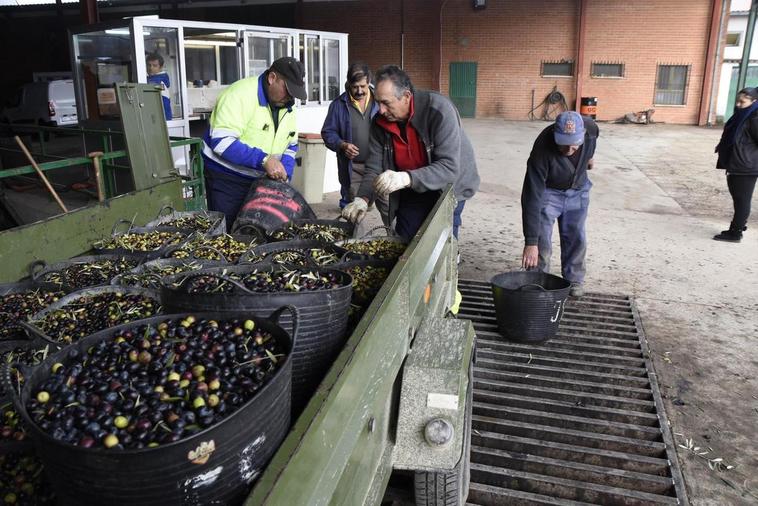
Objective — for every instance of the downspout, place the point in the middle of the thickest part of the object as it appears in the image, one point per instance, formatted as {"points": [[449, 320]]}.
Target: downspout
{"points": [[580, 51], [712, 57]]}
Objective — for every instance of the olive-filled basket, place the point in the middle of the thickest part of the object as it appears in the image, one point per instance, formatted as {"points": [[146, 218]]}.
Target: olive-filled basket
{"points": [[321, 230], [300, 251], [14, 308], [323, 316], [61, 273], [215, 466], [169, 218], [134, 241]]}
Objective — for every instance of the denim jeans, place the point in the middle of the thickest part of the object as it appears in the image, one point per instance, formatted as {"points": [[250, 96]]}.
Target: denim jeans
{"points": [[569, 207]]}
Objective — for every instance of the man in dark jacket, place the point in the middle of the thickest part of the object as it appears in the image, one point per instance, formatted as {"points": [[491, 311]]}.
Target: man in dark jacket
{"points": [[346, 132], [418, 147], [556, 187]]}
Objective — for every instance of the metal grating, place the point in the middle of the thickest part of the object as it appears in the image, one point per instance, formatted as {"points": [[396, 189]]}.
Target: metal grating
{"points": [[574, 421]]}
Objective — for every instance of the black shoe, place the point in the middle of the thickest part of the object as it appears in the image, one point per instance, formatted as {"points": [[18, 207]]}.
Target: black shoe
{"points": [[730, 235]]}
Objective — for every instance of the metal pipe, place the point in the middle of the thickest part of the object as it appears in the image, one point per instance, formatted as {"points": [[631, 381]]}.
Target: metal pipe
{"points": [[748, 45], [723, 20], [580, 51]]}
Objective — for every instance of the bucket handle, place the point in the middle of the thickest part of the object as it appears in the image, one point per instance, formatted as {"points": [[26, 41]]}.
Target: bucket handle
{"points": [[308, 260], [36, 268], [256, 232], [370, 233], [121, 222], [160, 212], [559, 313], [533, 284], [274, 317], [35, 333], [209, 248], [13, 389], [217, 276]]}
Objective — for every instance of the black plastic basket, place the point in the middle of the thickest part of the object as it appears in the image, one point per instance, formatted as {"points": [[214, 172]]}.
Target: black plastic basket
{"points": [[72, 298], [40, 271], [155, 279], [266, 252], [529, 305], [292, 231], [234, 451], [9, 329], [251, 240], [98, 248], [323, 317], [369, 237], [217, 220]]}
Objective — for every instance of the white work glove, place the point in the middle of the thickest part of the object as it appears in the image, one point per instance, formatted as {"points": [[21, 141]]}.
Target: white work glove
{"points": [[391, 181], [355, 211]]}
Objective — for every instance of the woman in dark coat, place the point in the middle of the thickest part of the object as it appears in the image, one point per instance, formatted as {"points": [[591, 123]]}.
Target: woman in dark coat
{"points": [[738, 155]]}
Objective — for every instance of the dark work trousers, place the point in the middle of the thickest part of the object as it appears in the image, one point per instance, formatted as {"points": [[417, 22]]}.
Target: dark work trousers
{"points": [[741, 189], [569, 207], [413, 209], [226, 193]]}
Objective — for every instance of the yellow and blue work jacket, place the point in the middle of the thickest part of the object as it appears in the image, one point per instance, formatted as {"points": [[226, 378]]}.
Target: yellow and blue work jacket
{"points": [[242, 132]]}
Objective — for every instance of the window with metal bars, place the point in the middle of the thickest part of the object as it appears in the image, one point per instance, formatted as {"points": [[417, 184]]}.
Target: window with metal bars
{"points": [[671, 85], [607, 70], [563, 68]]}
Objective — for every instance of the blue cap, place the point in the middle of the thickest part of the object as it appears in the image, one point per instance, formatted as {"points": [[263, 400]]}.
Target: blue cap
{"points": [[569, 129]]}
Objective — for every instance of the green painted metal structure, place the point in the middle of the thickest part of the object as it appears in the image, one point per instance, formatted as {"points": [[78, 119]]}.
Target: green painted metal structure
{"points": [[71, 234], [340, 449]]}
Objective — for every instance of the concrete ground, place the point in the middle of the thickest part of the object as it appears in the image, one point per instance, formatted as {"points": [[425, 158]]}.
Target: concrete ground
{"points": [[655, 204]]}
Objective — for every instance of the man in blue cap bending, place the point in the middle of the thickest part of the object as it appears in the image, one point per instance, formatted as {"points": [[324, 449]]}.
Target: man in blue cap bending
{"points": [[556, 186]]}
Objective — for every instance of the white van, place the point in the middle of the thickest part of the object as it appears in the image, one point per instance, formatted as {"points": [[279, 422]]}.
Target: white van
{"points": [[45, 103]]}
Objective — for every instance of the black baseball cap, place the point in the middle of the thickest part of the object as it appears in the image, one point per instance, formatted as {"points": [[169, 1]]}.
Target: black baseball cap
{"points": [[293, 73]]}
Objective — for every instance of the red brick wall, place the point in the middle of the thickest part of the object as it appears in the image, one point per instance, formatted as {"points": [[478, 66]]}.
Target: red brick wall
{"points": [[510, 39], [642, 34]]}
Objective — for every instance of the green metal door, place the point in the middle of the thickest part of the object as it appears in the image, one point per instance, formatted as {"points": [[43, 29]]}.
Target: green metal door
{"points": [[463, 87]]}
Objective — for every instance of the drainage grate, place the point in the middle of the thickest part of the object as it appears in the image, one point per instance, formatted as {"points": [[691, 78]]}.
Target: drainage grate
{"points": [[577, 420]]}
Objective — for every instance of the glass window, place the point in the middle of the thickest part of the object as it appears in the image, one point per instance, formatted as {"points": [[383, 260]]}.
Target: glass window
{"points": [[558, 69], [671, 85], [313, 68], [332, 68], [201, 64], [733, 39], [228, 62], [607, 70], [164, 43], [263, 50], [102, 58]]}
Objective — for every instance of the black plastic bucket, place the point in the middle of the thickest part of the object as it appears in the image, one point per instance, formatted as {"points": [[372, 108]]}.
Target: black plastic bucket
{"points": [[148, 272], [42, 272], [321, 330], [163, 221], [529, 304], [9, 329], [213, 467], [294, 231], [267, 253]]}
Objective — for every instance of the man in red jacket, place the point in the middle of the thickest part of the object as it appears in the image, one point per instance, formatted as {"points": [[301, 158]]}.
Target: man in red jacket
{"points": [[417, 148]]}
